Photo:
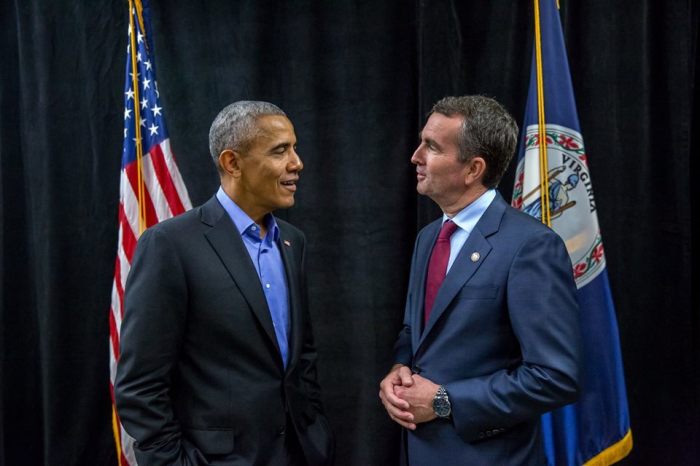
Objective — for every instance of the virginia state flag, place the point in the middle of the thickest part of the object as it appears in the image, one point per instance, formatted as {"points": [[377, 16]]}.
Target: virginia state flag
{"points": [[553, 183]]}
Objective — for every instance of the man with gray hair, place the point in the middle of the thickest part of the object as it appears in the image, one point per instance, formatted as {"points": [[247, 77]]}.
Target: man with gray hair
{"points": [[491, 334], [218, 363]]}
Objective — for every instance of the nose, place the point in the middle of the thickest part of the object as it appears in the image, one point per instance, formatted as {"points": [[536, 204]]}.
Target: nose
{"points": [[417, 157], [295, 164]]}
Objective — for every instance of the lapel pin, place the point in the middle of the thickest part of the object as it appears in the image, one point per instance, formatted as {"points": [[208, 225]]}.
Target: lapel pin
{"points": [[475, 256], [287, 243]]}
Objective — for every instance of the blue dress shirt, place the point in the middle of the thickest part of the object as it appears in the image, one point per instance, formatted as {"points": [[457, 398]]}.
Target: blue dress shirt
{"points": [[267, 259], [466, 219]]}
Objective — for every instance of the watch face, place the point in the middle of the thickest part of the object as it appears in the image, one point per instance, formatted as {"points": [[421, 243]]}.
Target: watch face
{"points": [[441, 406]]}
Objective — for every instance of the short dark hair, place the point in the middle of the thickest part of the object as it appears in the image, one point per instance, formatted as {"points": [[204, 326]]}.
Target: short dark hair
{"points": [[234, 127], [488, 131]]}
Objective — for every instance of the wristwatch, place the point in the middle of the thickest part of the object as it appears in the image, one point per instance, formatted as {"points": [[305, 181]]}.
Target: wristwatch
{"points": [[441, 404]]}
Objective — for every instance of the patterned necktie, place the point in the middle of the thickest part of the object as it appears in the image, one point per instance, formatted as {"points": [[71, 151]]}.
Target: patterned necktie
{"points": [[437, 267]]}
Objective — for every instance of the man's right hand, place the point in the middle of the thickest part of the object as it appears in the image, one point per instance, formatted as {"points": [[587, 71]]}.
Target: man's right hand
{"points": [[396, 407]]}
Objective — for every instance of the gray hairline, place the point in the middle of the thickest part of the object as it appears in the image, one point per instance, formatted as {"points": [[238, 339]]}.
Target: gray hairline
{"points": [[234, 127]]}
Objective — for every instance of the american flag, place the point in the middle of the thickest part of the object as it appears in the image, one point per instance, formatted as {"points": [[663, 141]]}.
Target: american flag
{"points": [[150, 190]]}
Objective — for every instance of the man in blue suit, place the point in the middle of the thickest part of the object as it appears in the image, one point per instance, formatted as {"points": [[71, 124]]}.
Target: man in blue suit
{"points": [[491, 337]]}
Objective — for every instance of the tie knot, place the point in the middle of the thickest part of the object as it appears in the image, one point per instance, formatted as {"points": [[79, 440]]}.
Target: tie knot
{"points": [[447, 229]]}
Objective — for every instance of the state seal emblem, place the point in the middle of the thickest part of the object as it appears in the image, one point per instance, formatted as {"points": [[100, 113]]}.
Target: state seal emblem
{"points": [[571, 202]]}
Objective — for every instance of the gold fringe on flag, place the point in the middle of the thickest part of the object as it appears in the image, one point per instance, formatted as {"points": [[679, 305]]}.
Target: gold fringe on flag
{"points": [[613, 453]]}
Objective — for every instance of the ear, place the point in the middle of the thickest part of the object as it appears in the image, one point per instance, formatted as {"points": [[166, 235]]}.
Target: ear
{"points": [[476, 169], [229, 163]]}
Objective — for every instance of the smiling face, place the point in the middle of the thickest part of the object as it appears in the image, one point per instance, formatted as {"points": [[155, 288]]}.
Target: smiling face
{"points": [[263, 176]]}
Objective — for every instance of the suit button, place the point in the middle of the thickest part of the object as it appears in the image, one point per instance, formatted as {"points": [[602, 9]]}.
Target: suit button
{"points": [[481, 435], [281, 431]]}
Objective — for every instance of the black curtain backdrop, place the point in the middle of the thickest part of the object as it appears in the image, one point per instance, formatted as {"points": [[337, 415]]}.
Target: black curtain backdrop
{"points": [[356, 78]]}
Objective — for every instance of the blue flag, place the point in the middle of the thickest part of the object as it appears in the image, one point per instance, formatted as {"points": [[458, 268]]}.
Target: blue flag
{"points": [[553, 183]]}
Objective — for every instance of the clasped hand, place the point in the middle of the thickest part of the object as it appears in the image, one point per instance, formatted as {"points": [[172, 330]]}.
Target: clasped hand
{"points": [[407, 397]]}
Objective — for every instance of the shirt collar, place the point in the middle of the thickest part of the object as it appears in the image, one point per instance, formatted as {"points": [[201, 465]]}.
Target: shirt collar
{"points": [[244, 224], [467, 218]]}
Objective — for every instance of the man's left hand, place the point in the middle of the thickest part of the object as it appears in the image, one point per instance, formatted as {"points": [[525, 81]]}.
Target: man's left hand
{"points": [[420, 398]]}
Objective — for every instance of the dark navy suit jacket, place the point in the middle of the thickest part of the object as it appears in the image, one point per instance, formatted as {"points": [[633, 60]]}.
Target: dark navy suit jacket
{"points": [[200, 380], [503, 338]]}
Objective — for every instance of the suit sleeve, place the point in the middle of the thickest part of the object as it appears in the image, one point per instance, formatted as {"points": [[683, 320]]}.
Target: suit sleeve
{"points": [[154, 319], [543, 311]]}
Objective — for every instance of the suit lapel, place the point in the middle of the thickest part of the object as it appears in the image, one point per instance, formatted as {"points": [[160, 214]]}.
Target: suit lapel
{"points": [[464, 267], [226, 241], [422, 258], [460, 272], [293, 286]]}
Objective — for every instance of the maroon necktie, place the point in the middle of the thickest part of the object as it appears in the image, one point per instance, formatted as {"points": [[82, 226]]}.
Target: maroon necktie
{"points": [[437, 267]]}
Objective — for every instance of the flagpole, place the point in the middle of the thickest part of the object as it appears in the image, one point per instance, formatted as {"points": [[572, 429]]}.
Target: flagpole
{"points": [[152, 188], [115, 432], [137, 119], [594, 431], [542, 122]]}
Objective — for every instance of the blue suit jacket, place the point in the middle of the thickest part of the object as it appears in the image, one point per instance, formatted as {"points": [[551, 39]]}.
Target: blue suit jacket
{"points": [[503, 338]]}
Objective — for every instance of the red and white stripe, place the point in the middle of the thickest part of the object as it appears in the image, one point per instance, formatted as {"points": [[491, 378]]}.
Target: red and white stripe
{"points": [[165, 196]]}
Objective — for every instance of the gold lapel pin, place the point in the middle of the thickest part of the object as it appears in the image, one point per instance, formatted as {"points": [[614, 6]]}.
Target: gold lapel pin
{"points": [[475, 256], [287, 243]]}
